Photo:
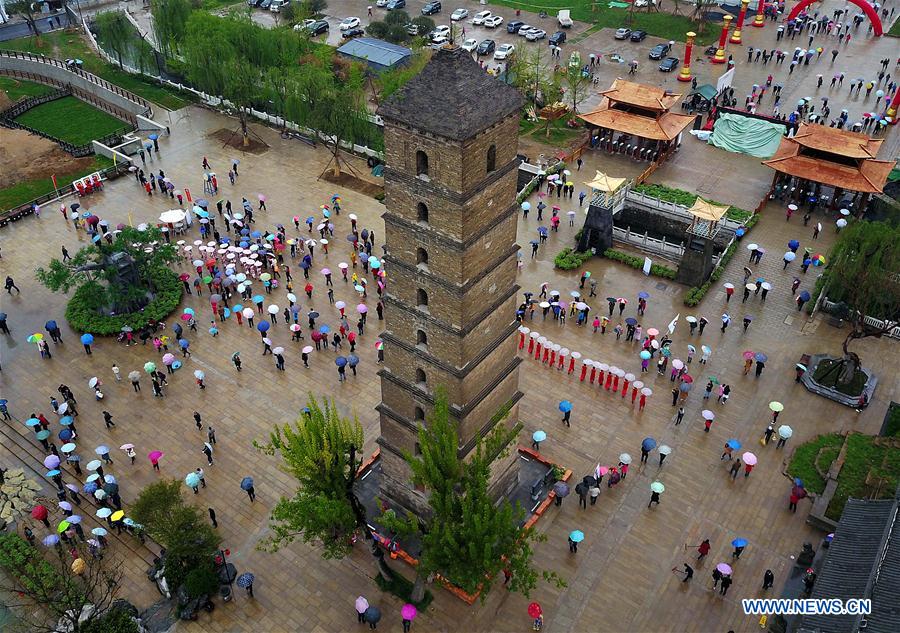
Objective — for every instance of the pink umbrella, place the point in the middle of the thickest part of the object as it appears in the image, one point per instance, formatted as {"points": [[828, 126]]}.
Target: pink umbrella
{"points": [[408, 612], [603, 470], [326, 271], [724, 569], [362, 308], [155, 456], [653, 332], [749, 459], [677, 363], [168, 359], [262, 198], [185, 317], [308, 349], [361, 605], [708, 415]]}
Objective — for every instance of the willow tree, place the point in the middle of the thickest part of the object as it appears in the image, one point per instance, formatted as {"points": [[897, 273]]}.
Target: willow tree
{"points": [[863, 273], [169, 23]]}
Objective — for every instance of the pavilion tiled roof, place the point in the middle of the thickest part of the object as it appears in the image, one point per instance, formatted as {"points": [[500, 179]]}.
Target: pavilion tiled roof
{"points": [[452, 97], [835, 141], [641, 95], [666, 127], [869, 176]]}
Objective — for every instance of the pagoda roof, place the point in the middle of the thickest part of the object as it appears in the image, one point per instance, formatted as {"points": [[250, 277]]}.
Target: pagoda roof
{"points": [[452, 97], [835, 141], [704, 210], [641, 95], [665, 127], [605, 183], [867, 175]]}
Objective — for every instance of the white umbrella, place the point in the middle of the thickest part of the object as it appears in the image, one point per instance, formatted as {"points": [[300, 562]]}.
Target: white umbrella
{"points": [[785, 432]]}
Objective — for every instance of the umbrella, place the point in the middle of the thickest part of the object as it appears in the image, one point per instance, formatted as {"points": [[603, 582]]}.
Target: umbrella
{"points": [[708, 415], [539, 436], [408, 611], [99, 531], [65, 435], [752, 247], [340, 361], [565, 406], [625, 458], [785, 432], [804, 295], [534, 610], [576, 536], [645, 355], [102, 450], [372, 615], [324, 329], [643, 295], [66, 420], [246, 483], [648, 444], [724, 568], [50, 539], [155, 455], [760, 357], [74, 519], [94, 464], [739, 542], [100, 494], [733, 444], [246, 579], [149, 367], [789, 256], [749, 458], [133, 375], [39, 512], [32, 422], [313, 314], [192, 480], [631, 321], [657, 487], [561, 489], [647, 391], [90, 488], [665, 449], [51, 461], [103, 513], [93, 478], [748, 354], [87, 339], [361, 605], [67, 448], [776, 406]]}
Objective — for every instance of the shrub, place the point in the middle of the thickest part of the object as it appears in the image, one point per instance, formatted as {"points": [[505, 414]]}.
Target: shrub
{"points": [[687, 199], [113, 621], [570, 259], [83, 315], [657, 270], [201, 581]]}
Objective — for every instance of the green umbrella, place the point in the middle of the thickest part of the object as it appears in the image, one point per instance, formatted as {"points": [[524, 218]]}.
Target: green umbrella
{"points": [[657, 487], [63, 526], [42, 435], [714, 380]]}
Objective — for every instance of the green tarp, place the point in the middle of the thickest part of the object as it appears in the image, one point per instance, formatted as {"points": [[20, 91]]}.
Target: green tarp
{"points": [[746, 135]]}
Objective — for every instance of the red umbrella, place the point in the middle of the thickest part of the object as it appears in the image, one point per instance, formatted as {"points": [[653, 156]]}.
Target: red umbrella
{"points": [[92, 219], [748, 354], [687, 378], [39, 512], [534, 610], [184, 276]]}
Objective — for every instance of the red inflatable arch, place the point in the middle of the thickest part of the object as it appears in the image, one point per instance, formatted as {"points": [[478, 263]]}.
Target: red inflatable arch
{"points": [[862, 4]]}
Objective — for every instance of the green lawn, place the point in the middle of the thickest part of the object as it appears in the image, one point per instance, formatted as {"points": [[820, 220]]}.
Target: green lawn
{"points": [[658, 23], [807, 456], [16, 89], [72, 120], [30, 189], [866, 458], [895, 29], [560, 135], [64, 45]]}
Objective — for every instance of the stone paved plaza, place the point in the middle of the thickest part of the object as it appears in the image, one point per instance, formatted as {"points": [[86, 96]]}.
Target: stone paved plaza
{"points": [[621, 578]]}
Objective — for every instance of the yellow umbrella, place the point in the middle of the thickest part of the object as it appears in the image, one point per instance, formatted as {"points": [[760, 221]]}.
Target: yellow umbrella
{"points": [[776, 406], [78, 566], [118, 515]]}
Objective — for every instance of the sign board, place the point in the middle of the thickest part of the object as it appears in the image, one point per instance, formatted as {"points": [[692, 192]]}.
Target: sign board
{"points": [[647, 264], [724, 81]]}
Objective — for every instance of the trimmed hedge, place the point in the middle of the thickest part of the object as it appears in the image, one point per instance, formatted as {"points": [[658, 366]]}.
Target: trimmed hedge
{"points": [[634, 261], [82, 312], [570, 259], [687, 199]]}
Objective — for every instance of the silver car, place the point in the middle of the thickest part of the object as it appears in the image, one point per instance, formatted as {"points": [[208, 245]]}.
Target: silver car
{"points": [[536, 34]]}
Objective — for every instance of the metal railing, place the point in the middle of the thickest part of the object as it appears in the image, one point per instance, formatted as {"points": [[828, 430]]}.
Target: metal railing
{"points": [[647, 243]]}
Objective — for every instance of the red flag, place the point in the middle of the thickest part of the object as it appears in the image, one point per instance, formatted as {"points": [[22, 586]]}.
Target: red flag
{"points": [[53, 177], [187, 192]]}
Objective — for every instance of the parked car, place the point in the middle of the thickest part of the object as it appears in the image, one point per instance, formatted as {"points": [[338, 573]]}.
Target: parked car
{"points": [[514, 26], [349, 23], [351, 33], [431, 8], [469, 45], [486, 47], [564, 18], [669, 64], [438, 40], [504, 51], [623, 33], [493, 22], [524, 30], [395, 4], [277, 5], [381, 3], [253, 3], [660, 50], [536, 34], [638, 36], [480, 17], [304, 25], [413, 29], [318, 27], [265, 4], [643, 3], [459, 14], [557, 38], [441, 29]]}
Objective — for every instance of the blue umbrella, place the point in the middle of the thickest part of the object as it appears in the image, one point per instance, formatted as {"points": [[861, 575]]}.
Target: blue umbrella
{"points": [[203, 202], [542, 230], [760, 357], [43, 435], [50, 539], [353, 359], [263, 326], [258, 298], [53, 473], [255, 234], [539, 436], [310, 219], [50, 325], [793, 244], [203, 213], [246, 483], [102, 450], [798, 482], [90, 488], [153, 137], [804, 295], [192, 480], [245, 580], [648, 444], [66, 420], [324, 329], [183, 343], [565, 406], [148, 145], [32, 422], [109, 479], [87, 339], [631, 321], [245, 231], [733, 444], [535, 242], [340, 361], [643, 295], [73, 519], [65, 435], [740, 232], [739, 542], [576, 536]]}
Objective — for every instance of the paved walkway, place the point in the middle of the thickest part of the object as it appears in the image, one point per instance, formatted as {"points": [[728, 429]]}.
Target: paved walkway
{"points": [[619, 580]]}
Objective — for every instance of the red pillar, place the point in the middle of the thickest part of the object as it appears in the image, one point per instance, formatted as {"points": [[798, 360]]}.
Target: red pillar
{"points": [[736, 35], [720, 57], [685, 73], [760, 20], [894, 107]]}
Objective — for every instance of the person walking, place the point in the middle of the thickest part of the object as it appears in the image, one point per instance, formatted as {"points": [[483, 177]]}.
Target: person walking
{"points": [[679, 416], [207, 450], [573, 546], [211, 434], [735, 467], [726, 583], [198, 421], [108, 419], [688, 573], [703, 549], [768, 579], [736, 554], [654, 498]]}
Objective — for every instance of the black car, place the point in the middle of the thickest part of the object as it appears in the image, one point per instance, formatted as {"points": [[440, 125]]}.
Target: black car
{"points": [[431, 8], [557, 38], [669, 64], [320, 26], [638, 36], [253, 3], [660, 50], [350, 33], [396, 4], [514, 26], [486, 47]]}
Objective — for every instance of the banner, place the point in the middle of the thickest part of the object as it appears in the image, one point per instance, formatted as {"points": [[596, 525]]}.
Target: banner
{"points": [[647, 264], [724, 81]]}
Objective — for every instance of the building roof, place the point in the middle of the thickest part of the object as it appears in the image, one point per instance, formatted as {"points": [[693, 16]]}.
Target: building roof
{"points": [[641, 95], [868, 175], [452, 97], [704, 210], [665, 127], [603, 182], [835, 141], [863, 561], [376, 52]]}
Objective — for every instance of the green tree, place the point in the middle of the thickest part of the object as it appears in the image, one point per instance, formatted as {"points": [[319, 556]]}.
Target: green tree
{"points": [[25, 8], [530, 71], [49, 594], [115, 31], [470, 537], [390, 81], [169, 23], [393, 18], [181, 528], [575, 86], [424, 24], [378, 29], [320, 451], [313, 7], [863, 272]]}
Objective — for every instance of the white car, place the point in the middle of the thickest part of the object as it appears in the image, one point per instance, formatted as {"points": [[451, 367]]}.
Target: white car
{"points": [[643, 3], [535, 34], [307, 23], [493, 22], [381, 3], [469, 45], [349, 23], [481, 16], [438, 41], [504, 51], [443, 30], [459, 14]]}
